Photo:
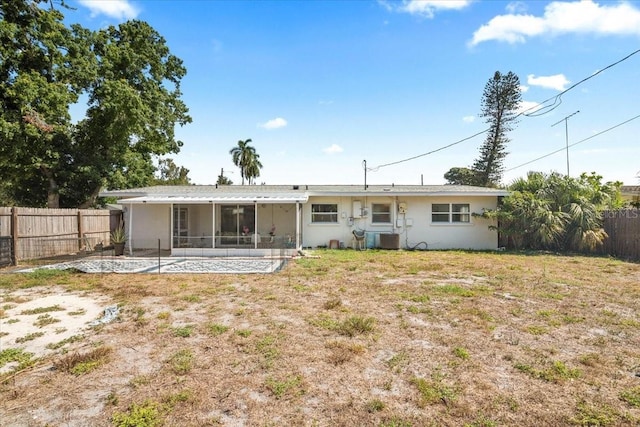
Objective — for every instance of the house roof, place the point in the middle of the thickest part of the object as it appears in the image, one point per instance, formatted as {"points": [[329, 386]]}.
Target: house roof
{"points": [[285, 193], [630, 190]]}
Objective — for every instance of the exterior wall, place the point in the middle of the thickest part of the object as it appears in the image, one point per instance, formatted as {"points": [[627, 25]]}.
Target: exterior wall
{"points": [[149, 222], [415, 228]]}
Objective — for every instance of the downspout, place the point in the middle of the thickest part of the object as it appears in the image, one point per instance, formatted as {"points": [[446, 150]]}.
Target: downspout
{"points": [[130, 228], [298, 213]]}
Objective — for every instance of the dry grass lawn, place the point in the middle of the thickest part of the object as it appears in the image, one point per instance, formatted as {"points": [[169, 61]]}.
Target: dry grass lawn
{"points": [[373, 338]]}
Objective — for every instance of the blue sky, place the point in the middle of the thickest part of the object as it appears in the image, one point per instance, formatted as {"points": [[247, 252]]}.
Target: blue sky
{"points": [[320, 86]]}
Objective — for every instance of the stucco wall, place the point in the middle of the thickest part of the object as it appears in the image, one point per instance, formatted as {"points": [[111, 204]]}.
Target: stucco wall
{"points": [[150, 223], [422, 233]]}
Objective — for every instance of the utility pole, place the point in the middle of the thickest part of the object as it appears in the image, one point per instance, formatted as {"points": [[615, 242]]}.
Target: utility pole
{"points": [[566, 134]]}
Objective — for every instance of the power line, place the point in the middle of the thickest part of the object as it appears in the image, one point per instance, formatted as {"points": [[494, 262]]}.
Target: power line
{"points": [[429, 152], [557, 100], [575, 143]]}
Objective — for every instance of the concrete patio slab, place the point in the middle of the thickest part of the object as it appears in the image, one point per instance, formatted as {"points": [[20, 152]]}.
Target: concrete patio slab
{"points": [[168, 265]]}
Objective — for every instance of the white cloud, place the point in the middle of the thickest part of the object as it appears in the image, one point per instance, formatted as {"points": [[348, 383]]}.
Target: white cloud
{"points": [[524, 89], [333, 149], [325, 102], [528, 107], [558, 81], [469, 119], [426, 8], [584, 16], [276, 123], [119, 9], [516, 7]]}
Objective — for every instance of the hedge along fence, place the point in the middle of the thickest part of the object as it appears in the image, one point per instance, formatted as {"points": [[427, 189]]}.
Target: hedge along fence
{"points": [[623, 228], [41, 233]]}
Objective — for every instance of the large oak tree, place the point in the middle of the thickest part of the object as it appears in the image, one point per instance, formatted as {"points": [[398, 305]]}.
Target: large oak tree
{"points": [[131, 83]]}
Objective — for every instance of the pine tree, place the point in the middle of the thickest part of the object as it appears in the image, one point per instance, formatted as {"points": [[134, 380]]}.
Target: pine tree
{"points": [[500, 100]]}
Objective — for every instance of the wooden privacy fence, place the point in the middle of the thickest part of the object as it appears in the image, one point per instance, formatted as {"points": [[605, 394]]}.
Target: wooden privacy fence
{"points": [[36, 233], [623, 228]]}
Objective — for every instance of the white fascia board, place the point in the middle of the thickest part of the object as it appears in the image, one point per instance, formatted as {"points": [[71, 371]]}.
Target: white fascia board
{"points": [[218, 199]]}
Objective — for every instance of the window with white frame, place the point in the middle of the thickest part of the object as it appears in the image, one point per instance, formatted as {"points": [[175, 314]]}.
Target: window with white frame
{"points": [[381, 213], [324, 213], [450, 213]]}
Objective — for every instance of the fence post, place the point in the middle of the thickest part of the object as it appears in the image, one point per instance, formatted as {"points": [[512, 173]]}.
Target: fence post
{"points": [[14, 235], [159, 260], [80, 230]]}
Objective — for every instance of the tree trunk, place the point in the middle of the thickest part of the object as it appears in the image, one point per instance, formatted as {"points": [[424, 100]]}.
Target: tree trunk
{"points": [[91, 200], [53, 194]]}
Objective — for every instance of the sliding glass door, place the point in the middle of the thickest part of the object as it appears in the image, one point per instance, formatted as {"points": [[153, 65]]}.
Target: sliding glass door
{"points": [[237, 223]]}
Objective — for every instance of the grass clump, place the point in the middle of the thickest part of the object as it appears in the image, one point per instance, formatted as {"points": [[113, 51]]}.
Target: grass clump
{"points": [[631, 396], [397, 361], [182, 361], [332, 303], [147, 414], [60, 344], [342, 352], [44, 320], [395, 422], [244, 333], [375, 405], [216, 329], [192, 298], [82, 363], [183, 331], [594, 415], [18, 355], [290, 386], [461, 353], [268, 348], [454, 290], [556, 373], [29, 337], [433, 391], [45, 276], [41, 310], [356, 325], [324, 321]]}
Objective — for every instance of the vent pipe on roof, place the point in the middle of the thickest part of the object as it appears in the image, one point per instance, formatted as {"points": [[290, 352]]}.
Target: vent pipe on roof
{"points": [[364, 166]]}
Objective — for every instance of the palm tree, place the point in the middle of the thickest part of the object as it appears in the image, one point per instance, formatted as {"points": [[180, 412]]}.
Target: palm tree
{"points": [[253, 169], [245, 157], [552, 211]]}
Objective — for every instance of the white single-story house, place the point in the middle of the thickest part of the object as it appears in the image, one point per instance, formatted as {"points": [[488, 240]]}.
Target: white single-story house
{"points": [[240, 220]]}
